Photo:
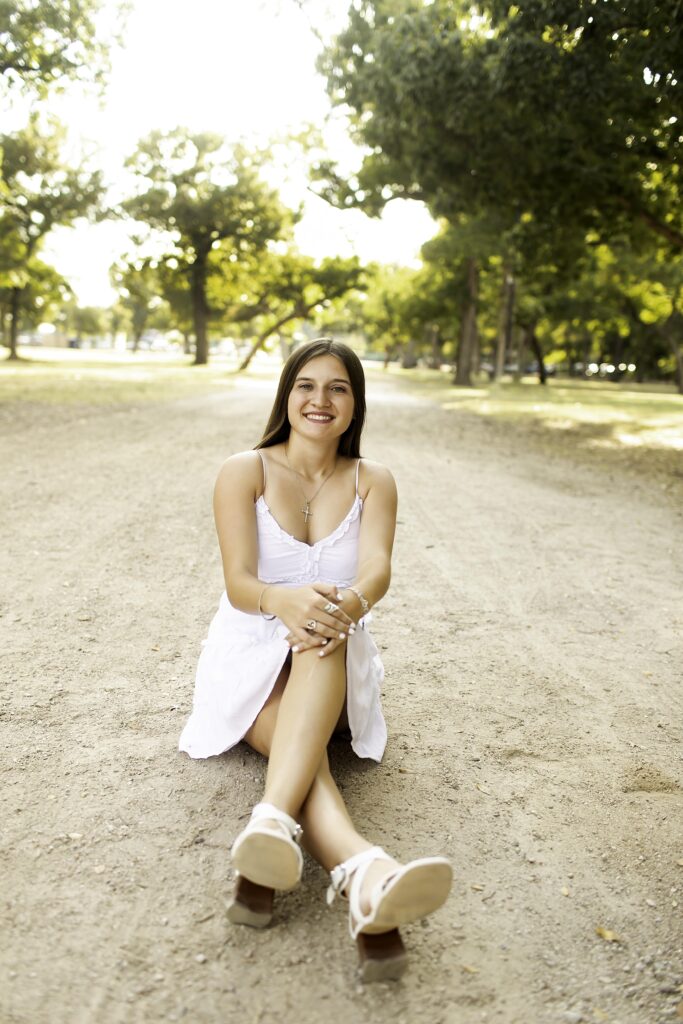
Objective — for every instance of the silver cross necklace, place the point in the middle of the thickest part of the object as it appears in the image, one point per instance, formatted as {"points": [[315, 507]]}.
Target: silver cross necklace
{"points": [[306, 510]]}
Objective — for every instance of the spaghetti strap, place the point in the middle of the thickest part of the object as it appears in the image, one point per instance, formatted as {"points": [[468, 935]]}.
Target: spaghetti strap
{"points": [[263, 465], [357, 468]]}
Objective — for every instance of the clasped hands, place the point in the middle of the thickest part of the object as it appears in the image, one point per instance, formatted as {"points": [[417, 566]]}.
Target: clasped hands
{"points": [[313, 616]]}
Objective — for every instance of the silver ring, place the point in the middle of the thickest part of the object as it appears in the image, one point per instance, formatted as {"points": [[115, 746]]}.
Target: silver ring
{"points": [[329, 607], [311, 624]]}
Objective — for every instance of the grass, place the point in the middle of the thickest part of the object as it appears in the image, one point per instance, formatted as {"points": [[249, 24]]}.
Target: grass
{"points": [[60, 376], [595, 413], [602, 414]]}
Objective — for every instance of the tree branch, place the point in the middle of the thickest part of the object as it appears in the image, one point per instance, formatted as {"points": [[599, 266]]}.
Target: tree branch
{"points": [[660, 227]]}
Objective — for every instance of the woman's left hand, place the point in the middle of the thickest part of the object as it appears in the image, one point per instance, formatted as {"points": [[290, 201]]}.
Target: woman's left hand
{"points": [[330, 643], [328, 647]]}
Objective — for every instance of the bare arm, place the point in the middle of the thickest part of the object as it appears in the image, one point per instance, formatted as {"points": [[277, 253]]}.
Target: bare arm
{"points": [[378, 528], [237, 487], [235, 493], [376, 542]]}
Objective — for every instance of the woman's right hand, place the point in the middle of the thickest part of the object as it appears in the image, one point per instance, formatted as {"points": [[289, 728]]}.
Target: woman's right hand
{"points": [[297, 606]]}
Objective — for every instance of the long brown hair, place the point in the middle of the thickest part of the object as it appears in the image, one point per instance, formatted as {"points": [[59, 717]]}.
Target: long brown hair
{"points": [[278, 426]]}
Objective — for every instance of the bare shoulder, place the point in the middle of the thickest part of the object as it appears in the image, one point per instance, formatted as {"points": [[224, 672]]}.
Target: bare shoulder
{"points": [[240, 474], [376, 478]]}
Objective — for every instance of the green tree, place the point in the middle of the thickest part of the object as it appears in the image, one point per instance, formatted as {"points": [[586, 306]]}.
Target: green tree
{"points": [[289, 286], [174, 284], [86, 321], [205, 197], [49, 42], [44, 292], [568, 111], [386, 322], [139, 287], [42, 192], [557, 120]]}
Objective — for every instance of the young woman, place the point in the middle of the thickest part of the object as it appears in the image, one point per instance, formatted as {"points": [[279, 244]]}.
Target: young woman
{"points": [[306, 531]]}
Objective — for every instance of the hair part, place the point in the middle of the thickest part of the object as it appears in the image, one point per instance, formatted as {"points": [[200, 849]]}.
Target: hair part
{"points": [[278, 426]]}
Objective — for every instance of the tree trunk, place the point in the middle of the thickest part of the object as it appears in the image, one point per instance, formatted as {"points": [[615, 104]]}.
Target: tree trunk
{"points": [[14, 311], [199, 309], [435, 338], [507, 308], [520, 351], [586, 350], [618, 343], [475, 361], [677, 350], [187, 343], [672, 331], [535, 346], [409, 359], [468, 336]]}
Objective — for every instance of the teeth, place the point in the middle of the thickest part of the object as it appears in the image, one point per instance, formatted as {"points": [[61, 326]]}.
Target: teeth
{"points": [[313, 416]]}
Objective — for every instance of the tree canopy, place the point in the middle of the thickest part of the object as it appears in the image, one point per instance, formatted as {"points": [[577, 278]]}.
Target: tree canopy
{"points": [[204, 196], [48, 42], [567, 111], [535, 131], [41, 192]]}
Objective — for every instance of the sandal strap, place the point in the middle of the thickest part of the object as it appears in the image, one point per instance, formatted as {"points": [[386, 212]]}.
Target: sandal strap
{"points": [[270, 811], [341, 875]]}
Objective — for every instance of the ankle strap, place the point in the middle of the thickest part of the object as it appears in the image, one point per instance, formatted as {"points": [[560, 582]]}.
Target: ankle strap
{"points": [[341, 875], [264, 810]]}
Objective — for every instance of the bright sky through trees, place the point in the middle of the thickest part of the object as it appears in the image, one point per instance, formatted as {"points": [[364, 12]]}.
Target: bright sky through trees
{"points": [[244, 69]]}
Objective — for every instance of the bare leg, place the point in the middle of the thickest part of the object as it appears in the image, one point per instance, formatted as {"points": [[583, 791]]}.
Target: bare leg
{"points": [[329, 833], [310, 707]]}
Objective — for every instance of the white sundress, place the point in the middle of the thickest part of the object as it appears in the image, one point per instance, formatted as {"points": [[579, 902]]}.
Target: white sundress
{"points": [[243, 653]]}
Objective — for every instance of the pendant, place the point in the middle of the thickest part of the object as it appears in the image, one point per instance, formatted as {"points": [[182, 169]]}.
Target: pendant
{"points": [[306, 512]]}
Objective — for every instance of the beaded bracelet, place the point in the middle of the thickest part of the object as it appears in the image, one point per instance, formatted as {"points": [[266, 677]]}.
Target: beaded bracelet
{"points": [[260, 610], [362, 598]]}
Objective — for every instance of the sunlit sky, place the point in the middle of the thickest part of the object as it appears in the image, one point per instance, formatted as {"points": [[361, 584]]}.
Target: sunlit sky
{"points": [[246, 70]]}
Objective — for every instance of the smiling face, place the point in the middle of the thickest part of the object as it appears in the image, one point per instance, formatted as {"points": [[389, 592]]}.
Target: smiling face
{"points": [[320, 404]]}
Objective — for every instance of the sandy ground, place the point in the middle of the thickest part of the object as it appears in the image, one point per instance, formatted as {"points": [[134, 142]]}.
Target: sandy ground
{"points": [[532, 645]]}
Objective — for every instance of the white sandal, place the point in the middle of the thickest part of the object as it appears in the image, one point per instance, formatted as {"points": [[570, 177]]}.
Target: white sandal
{"points": [[410, 892], [268, 854]]}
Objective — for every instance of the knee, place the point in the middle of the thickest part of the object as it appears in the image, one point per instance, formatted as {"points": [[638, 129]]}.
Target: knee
{"points": [[313, 659]]}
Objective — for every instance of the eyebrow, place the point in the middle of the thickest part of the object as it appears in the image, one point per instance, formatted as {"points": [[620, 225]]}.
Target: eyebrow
{"points": [[335, 380]]}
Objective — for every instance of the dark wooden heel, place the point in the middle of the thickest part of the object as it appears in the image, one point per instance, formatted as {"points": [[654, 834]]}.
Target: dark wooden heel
{"points": [[251, 904], [381, 957]]}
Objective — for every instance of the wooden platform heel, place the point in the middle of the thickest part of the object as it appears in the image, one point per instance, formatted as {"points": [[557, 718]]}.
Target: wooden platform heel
{"points": [[381, 957], [407, 893], [251, 904]]}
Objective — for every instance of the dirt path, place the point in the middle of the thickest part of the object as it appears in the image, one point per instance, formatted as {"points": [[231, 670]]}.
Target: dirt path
{"points": [[532, 646]]}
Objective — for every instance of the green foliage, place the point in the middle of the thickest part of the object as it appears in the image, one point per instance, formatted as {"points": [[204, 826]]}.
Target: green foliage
{"points": [[286, 287], [42, 191], [174, 286], [205, 197], [139, 287], [49, 42], [566, 111], [88, 321], [204, 194], [538, 132], [44, 291]]}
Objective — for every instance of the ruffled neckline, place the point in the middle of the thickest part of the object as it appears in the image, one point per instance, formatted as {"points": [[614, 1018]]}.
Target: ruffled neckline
{"points": [[339, 531]]}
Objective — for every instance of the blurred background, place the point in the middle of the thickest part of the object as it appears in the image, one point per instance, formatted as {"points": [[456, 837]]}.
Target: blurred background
{"points": [[486, 191]]}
